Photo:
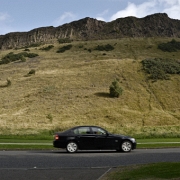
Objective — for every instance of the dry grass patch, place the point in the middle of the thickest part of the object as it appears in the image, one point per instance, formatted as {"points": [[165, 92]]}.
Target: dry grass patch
{"points": [[73, 87]]}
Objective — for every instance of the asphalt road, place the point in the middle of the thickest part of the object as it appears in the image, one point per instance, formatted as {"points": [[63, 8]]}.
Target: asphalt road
{"points": [[85, 165]]}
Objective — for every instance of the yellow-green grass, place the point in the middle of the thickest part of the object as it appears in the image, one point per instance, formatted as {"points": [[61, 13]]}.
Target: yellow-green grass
{"points": [[72, 88], [156, 171]]}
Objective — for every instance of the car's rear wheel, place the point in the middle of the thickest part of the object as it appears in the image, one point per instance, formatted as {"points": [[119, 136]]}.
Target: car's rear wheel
{"points": [[72, 147], [126, 146]]}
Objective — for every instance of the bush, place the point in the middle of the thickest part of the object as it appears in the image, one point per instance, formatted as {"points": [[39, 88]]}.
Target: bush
{"points": [[31, 55], [11, 57], [89, 50], [32, 71], [65, 40], [171, 46], [23, 59], [64, 48], [106, 47], [50, 117], [47, 48], [34, 45], [26, 49], [7, 84], [115, 89], [159, 68]]}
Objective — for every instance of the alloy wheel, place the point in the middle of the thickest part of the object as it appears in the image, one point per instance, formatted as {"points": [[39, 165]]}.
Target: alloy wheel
{"points": [[72, 147], [126, 146]]}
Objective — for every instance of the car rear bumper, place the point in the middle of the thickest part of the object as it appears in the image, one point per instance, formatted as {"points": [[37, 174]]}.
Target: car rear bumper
{"points": [[59, 144]]}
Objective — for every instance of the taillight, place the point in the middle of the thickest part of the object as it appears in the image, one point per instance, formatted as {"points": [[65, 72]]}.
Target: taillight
{"points": [[56, 137]]}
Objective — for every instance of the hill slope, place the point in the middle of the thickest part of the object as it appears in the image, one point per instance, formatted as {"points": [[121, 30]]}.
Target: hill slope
{"points": [[72, 88]]}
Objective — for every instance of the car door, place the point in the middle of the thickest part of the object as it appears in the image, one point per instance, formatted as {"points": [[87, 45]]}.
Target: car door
{"points": [[103, 140], [85, 138]]}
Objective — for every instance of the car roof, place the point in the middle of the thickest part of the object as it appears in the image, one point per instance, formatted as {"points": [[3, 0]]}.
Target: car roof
{"points": [[85, 126]]}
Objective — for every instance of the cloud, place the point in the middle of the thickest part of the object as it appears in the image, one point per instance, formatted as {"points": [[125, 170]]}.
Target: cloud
{"points": [[169, 3], [100, 15], [100, 18], [172, 8], [64, 18], [5, 19], [136, 10]]}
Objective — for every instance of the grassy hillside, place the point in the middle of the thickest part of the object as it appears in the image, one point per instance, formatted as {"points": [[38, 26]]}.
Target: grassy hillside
{"points": [[72, 88]]}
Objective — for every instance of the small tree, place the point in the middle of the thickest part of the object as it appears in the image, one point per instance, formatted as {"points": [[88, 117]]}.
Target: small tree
{"points": [[115, 89], [32, 71], [23, 59]]}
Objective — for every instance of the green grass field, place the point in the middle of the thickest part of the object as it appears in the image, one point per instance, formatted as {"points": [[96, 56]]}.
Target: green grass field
{"points": [[157, 171]]}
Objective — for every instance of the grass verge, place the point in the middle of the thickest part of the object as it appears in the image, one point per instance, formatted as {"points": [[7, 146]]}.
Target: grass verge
{"points": [[28, 142], [45, 142], [158, 143], [165, 170]]}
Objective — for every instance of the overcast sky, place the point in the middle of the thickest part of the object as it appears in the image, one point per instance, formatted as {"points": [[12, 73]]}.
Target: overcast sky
{"points": [[25, 15]]}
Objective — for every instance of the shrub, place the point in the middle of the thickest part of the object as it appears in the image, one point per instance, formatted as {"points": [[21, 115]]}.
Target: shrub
{"points": [[34, 45], [23, 59], [106, 47], [65, 40], [31, 55], [11, 57], [159, 68], [171, 46], [32, 71], [64, 48], [115, 89], [50, 117], [7, 84], [26, 49], [89, 50], [47, 48]]}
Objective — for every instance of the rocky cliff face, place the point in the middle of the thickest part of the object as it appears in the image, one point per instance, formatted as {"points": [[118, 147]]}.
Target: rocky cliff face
{"points": [[156, 25]]}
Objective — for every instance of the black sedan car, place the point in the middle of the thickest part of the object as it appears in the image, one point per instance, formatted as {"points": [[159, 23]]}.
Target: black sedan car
{"points": [[92, 138]]}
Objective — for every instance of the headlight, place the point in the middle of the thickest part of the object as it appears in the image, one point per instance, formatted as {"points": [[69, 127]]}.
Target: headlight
{"points": [[133, 140]]}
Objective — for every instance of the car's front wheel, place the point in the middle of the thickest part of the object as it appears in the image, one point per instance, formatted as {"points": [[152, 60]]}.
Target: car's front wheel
{"points": [[72, 147], [126, 146]]}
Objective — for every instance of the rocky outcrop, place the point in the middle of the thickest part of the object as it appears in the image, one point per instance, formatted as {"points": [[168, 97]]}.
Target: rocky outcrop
{"points": [[156, 25]]}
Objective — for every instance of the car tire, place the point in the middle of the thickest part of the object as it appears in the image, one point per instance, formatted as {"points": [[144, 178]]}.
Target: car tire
{"points": [[72, 147], [126, 146]]}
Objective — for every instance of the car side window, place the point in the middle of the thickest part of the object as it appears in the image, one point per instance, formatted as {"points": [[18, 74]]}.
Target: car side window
{"points": [[98, 131], [82, 130]]}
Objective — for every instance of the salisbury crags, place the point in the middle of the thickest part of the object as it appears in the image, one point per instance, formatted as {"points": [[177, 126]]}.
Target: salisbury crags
{"points": [[156, 25]]}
